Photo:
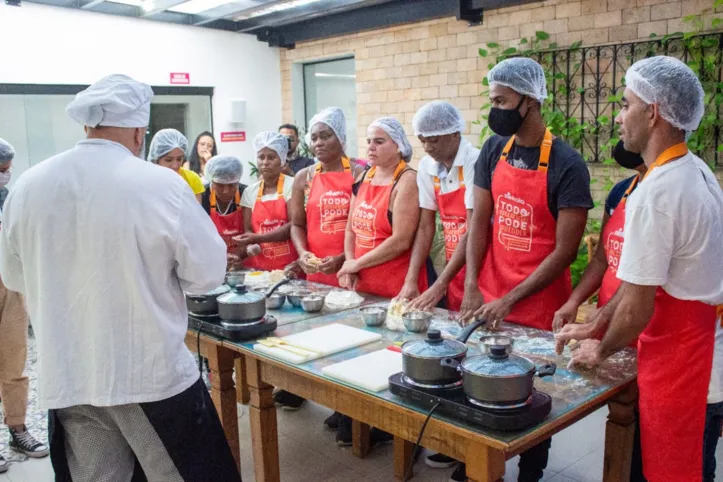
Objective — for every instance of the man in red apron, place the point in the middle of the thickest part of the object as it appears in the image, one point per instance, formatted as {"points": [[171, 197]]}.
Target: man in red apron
{"points": [[670, 267], [532, 194], [222, 201], [442, 178]]}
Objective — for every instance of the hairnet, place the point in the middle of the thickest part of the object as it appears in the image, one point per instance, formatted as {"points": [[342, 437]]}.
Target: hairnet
{"points": [[274, 141], [113, 101], [672, 86], [164, 142], [437, 118], [224, 169], [394, 129], [334, 118], [7, 153], [523, 75]]}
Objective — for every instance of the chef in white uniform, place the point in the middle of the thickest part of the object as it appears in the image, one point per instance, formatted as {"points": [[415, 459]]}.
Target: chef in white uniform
{"points": [[103, 245]]}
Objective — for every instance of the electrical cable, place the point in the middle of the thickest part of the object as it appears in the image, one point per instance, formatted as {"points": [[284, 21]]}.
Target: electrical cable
{"points": [[408, 471]]}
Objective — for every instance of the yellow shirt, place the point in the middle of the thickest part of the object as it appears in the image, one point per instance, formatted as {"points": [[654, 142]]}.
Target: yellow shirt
{"points": [[193, 180]]}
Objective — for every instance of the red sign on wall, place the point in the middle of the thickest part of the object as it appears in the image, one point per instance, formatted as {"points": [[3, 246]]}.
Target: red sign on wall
{"points": [[238, 136], [180, 78]]}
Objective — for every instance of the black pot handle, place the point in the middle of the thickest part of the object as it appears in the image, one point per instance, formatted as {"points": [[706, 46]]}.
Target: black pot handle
{"points": [[546, 370], [276, 286], [467, 332], [196, 298], [449, 362]]}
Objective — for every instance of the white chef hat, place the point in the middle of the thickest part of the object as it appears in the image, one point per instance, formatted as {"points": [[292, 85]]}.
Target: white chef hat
{"points": [[274, 141], [523, 75], [7, 153], [438, 118], [164, 142], [394, 129], [224, 169], [334, 118], [113, 101], [672, 86]]}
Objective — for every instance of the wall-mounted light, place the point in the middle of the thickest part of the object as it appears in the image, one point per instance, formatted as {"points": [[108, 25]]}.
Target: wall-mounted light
{"points": [[335, 76]]}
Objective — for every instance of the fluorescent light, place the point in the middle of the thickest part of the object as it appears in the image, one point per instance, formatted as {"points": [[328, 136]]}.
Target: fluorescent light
{"points": [[335, 76], [279, 7], [195, 7]]}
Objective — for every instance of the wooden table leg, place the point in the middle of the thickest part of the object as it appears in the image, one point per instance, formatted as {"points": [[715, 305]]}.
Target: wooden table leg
{"points": [[262, 415], [242, 386], [619, 435], [484, 464], [223, 394], [402, 455], [360, 442]]}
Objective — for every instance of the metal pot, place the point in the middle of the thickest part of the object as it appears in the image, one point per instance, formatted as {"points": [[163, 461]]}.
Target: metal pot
{"points": [[244, 306], [498, 378], [205, 304], [421, 358]]}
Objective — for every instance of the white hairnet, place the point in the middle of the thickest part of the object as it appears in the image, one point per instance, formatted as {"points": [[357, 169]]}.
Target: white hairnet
{"points": [[7, 153], [672, 86], [334, 118], [437, 118], [224, 170], [164, 142], [274, 141], [114, 101], [394, 129], [523, 75]]}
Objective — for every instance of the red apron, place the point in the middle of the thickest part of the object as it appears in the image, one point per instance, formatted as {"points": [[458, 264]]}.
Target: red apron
{"points": [[327, 212], [269, 216], [675, 357], [228, 225], [453, 213], [523, 235], [371, 227]]}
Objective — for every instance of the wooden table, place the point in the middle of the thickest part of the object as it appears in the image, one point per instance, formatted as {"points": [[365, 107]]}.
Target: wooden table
{"points": [[575, 395]]}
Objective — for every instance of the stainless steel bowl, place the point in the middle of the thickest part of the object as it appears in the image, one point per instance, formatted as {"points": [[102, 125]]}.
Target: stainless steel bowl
{"points": [[487, 342], [295, 297], [234, 278], [275, 301], [373, 315], [312, 303], [417, 321]]}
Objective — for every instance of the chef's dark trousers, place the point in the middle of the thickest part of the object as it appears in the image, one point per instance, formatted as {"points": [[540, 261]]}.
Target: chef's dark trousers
{"points": [[179, 439], [534, 461]]}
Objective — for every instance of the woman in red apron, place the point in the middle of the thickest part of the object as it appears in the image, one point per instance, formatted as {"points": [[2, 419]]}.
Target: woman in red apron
{"points": [[382, 225], [321, 198], [265, 207], [222, 201]]}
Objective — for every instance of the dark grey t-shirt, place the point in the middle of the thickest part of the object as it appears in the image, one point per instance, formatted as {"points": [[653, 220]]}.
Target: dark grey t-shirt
{"points": [[568, 180]]}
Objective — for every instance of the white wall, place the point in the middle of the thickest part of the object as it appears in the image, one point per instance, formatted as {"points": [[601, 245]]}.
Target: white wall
{"points": [[48, 45]]}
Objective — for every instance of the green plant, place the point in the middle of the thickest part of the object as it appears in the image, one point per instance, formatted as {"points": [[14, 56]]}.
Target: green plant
{"points": [[303, 149], [254, 171]]}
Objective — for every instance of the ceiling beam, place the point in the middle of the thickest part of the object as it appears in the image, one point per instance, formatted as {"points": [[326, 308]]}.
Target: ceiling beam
{"points": [[162, 5], [91, 4]]}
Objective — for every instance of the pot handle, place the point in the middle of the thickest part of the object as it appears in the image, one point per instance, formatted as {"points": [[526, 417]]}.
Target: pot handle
{"points": [[196, 298], [276, 286], [449, 362], [467, 332], [546, 370]]}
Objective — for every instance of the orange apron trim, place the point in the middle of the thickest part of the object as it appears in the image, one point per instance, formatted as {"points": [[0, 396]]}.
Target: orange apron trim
{"points": [[670, 154]]}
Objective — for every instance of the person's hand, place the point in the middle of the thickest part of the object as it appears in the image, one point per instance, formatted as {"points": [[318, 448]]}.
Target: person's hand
{"points": [[410, 291], [233, 262], [293, 270], [331, 264], [494, 311], [305, 265], [573, 331], [349, 281], [587, 355], [350, 266], [243, 240], [429, 299], [471, 302], [566, 314], [205, 155]]}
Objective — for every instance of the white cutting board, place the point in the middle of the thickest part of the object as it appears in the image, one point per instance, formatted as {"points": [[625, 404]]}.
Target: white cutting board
{"points": [[325, 341], [370, 372]]}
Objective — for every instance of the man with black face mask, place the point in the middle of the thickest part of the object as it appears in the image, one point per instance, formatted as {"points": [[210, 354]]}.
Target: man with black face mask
{"points": [[532, 191]]}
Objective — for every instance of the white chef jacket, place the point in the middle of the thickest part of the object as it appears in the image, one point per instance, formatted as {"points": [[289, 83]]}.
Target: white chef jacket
{"points": [[103, 244], [466, 157]]}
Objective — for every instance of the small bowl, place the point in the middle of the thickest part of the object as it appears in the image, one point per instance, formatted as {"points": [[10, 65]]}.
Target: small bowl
{"points": [[417, 321], [295, 297], [275, 301], [234, 278], [373, 315], [312, 303], [487, 342]]}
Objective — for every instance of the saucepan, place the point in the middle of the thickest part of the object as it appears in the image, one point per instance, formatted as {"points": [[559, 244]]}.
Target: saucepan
{"points": [[205, 304], [244, 306]]}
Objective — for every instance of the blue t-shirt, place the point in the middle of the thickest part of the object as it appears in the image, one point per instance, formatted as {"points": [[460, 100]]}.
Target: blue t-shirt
{"points": [[616, 194]]}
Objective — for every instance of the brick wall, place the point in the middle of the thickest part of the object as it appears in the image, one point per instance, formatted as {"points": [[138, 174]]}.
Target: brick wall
{"points": [[401, 68]]}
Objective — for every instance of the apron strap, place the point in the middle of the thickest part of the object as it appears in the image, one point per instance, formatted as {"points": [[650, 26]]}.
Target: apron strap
{"points": [[236, 199], [630, 189], [397, 172], [670, 154], [279, 188], [344, 162], [545, 149], [460, 177]]}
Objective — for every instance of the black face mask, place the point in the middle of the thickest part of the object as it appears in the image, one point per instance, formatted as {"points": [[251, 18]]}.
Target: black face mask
{"points": [[506, 122], [627, 159]]}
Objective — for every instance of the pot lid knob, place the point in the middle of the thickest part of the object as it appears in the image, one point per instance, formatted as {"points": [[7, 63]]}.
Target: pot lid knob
{"points": [[498, 352], [241, 289], [434, 336]]}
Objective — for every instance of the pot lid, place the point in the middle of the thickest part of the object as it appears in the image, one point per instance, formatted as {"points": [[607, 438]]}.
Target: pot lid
{"points": [[498, 364], [434, 346], [219, 290], [240, 295]]}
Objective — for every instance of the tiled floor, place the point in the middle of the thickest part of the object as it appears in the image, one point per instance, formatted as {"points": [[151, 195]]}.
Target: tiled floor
{"points": [[308, 454]]}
